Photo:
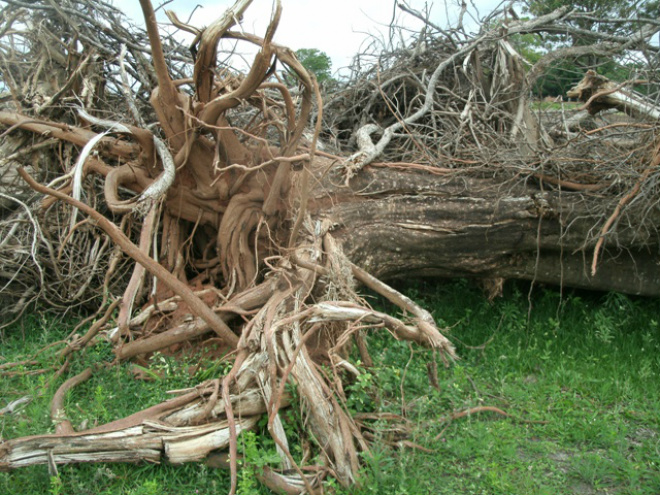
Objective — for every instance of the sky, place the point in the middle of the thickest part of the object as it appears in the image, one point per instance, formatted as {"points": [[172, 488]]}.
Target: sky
{"points": [[337, 27]]}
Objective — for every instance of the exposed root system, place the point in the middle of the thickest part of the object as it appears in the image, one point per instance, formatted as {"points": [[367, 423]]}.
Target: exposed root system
{"points": [[181, 199]]}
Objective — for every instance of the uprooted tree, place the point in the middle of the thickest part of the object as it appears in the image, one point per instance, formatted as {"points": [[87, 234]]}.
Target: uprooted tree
{"points": [[214, 183]]}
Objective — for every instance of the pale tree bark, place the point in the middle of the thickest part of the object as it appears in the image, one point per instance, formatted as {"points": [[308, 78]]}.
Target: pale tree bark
{"points": [[416, 224], [250, 234]]}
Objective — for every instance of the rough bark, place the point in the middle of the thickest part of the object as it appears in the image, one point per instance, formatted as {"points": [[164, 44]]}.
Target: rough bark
{"points": [[410, 223], [247, 232]]}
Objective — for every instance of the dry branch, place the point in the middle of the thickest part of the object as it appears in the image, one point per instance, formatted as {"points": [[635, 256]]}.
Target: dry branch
{"points": [[214, 190], [599, 94], [154, 268]]}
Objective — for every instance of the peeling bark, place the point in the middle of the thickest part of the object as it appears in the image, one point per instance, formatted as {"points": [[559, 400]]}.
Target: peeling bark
{"points": [[409, 224], [600, 93], [260, 233]]}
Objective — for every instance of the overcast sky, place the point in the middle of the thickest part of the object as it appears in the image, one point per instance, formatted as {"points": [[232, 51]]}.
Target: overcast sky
{"points": [[336, 27]]}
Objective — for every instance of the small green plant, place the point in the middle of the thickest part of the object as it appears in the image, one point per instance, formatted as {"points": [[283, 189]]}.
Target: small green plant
{"points": [[359, 393], [55, 485], [99, 404], [604, 327], [255, 458], [149, 487], [216, 368]]}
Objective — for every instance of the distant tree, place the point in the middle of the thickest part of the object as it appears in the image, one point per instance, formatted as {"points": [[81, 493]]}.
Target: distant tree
{"points": [[598, 9], [316, 61], [616, 18]]}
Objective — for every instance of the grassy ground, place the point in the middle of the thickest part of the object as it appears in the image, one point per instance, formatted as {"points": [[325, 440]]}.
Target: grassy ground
{"points": [[586, 365], [554, 105]]}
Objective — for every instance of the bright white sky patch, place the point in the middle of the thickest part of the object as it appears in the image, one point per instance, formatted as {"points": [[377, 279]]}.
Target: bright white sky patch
{"points": [[336, 27]]}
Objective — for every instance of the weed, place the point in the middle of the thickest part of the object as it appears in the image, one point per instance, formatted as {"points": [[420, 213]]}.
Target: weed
{"points": [[55, 485], [359, 396], [255, 458], [149, 487], [585, 364]]}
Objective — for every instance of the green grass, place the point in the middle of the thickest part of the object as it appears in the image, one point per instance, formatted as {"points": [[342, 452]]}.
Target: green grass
{"points": [[554, 105], [587, 364]]}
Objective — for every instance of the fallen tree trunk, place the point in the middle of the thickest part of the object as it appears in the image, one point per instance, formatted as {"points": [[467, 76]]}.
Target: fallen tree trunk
{"points": [[600, 93], [411, 223], [247, 232]]}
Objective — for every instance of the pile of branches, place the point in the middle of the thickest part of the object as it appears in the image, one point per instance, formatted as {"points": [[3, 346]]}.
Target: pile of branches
{"points": [[447, 103], [462, 103], [55, 59], [140, 161], [131, 148]]}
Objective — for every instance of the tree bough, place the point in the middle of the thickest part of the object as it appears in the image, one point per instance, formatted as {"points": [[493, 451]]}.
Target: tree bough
{"points": [[245, 230], [241, 189]]}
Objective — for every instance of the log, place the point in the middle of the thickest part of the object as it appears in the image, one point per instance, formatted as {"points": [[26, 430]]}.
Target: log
{"points": [[150, 442], [599, 93], [409, 223]]}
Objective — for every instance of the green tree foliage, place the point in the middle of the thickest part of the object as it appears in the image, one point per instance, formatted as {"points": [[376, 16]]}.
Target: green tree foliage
{"points": [[562, 74], [600, 9], [559, 77], [317, 62]]}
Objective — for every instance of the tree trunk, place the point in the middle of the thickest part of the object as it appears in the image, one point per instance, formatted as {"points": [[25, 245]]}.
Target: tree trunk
{"points": [[247, 232], [398, 223]]}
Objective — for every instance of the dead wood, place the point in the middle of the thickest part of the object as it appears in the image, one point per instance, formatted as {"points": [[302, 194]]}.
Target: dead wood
{"points": [[57, 412], [599, 93], [240, 228]]}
